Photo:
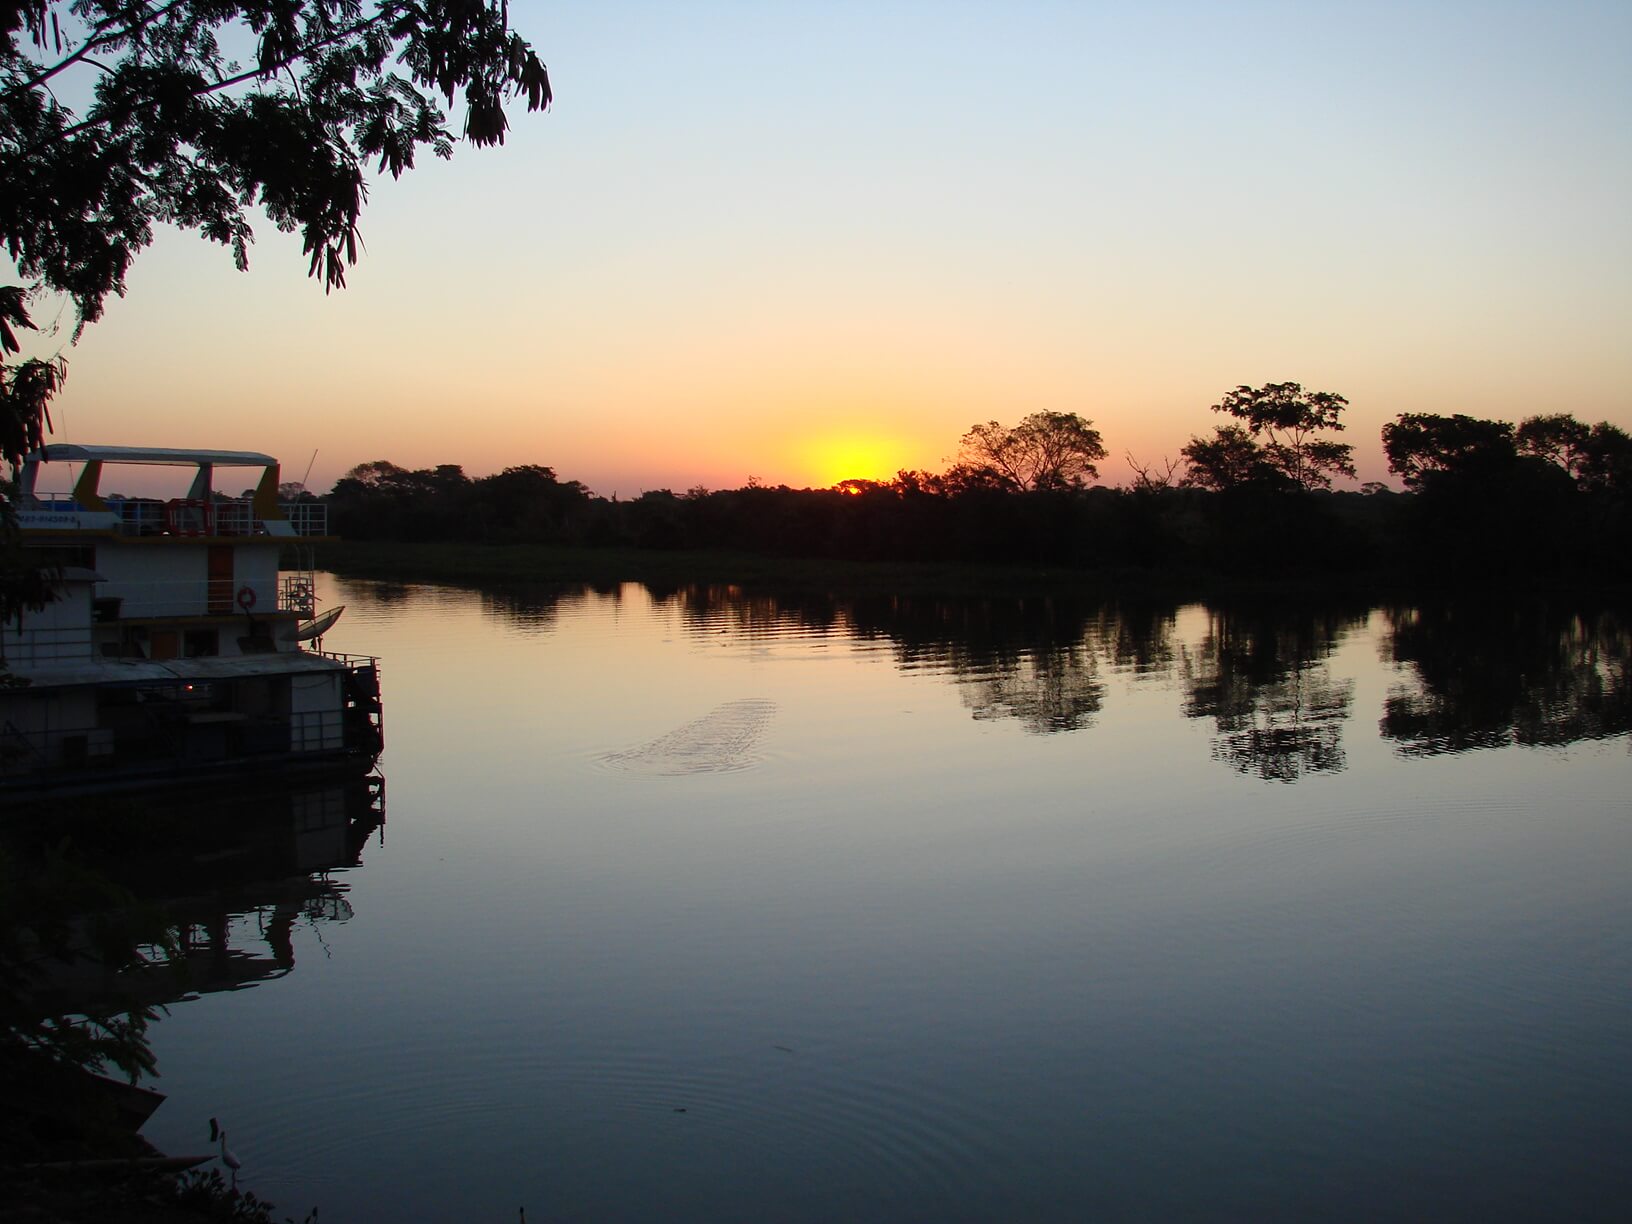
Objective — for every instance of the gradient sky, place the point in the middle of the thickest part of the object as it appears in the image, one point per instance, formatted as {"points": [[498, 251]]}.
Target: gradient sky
{"points": [[808, 241]]}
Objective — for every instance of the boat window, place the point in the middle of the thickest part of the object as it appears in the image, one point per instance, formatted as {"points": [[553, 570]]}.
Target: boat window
{"points": [[60, 556], [200, 643]]}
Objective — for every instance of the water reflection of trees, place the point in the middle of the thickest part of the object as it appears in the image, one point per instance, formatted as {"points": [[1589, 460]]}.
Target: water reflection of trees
{"points": [[1036, 660], [534, 609], [1039, 660], [1477, 677], [1262, 676], [1139, 638], [755, 613], [1485, 677]]}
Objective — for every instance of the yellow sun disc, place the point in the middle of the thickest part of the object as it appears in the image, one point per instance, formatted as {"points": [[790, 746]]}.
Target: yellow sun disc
{"points": [[851, 458]]}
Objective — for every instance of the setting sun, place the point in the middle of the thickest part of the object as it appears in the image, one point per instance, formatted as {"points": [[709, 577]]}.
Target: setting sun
{"points": [[850, 457]]}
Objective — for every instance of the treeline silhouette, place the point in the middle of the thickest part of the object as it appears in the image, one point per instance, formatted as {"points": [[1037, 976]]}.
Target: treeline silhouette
{"points": [[1485, 501]]}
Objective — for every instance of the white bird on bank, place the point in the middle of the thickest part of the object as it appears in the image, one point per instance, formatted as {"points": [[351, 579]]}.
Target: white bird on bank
{"points": [[228, 1157]]}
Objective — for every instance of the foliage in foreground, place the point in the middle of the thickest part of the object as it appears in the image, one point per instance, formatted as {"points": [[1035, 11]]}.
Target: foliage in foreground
{"points": [[208, 1195], [154, 1196], [118, 116]]}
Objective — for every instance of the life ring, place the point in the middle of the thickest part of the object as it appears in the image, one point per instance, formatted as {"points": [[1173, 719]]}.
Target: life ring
{"points": [[246, 597]]}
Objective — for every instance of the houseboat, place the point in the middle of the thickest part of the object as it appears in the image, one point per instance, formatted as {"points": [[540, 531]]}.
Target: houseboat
{"points": [[172, 648]]}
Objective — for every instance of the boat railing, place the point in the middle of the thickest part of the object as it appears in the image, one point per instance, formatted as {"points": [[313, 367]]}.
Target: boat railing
{"points": [[74, 749], [34, 750], [309, 518], [361, 688], [182, 517], [352, 661], [297, 592], [316, 730], [32, 647], [119, 608], [117, 600]]}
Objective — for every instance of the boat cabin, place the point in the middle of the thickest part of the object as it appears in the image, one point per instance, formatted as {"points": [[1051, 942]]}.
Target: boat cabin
{"points": [[172, 644]]}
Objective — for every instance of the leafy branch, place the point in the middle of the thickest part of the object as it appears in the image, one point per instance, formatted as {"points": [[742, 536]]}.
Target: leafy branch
{"points": [[99, 36]]}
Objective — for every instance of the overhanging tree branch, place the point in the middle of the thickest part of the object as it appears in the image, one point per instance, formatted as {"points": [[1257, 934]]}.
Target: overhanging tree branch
{"points": [[261, 71], [172, 137], [99, 36]]}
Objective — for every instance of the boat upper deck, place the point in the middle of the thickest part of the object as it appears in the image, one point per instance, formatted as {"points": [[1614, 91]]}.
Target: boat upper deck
{"points": [[201, 513]]}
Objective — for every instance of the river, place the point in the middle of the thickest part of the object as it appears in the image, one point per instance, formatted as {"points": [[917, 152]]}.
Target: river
{"points": [[704, 905]]}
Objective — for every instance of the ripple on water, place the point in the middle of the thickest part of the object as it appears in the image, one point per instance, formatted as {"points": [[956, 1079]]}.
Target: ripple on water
{"points": [[798, 1105], [720, 741]]}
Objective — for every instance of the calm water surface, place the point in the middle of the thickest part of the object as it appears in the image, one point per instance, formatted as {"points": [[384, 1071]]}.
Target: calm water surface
{"points": [[697, 906]]}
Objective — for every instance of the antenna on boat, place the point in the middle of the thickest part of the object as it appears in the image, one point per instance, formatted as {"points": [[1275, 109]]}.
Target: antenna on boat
{"points": [[308, 475]]}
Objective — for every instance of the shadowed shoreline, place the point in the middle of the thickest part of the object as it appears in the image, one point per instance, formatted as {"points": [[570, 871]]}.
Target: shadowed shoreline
{"points": [[471, 564]]}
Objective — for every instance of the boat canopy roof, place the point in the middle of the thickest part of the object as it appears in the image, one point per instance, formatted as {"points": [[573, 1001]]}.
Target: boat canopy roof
{"points": [[73, 452], [87, 489]]}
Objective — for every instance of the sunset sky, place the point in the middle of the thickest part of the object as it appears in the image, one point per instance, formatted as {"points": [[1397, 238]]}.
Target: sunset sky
{"points": [[804, 242]]}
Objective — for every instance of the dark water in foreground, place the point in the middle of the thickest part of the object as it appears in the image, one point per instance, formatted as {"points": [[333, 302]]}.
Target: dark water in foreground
{"points": [[700, 907]]}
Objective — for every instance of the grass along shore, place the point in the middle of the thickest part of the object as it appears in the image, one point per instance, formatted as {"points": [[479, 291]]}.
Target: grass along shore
{"points": [[529, 563], [485, 564]]}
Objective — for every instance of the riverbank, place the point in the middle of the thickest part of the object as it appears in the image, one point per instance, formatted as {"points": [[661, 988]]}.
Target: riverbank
{"points": [[553, 563], [66, 1158], [469, 564], [94, 893]]}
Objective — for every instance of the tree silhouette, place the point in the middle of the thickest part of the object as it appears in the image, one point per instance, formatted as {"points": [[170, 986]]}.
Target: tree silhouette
{"points": [[1557, 437], [1423, 445], [1598, 457], [1228, 460], [1046, 451], [1488, 510], [1285, 419]]}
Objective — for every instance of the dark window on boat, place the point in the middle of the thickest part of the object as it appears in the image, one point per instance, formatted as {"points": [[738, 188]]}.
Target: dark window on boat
{"points": [[200, 643], [258, 640], [57, 556]]}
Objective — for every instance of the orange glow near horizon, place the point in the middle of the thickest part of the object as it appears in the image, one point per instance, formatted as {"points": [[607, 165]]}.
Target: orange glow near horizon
{"points": [[853, 457]]}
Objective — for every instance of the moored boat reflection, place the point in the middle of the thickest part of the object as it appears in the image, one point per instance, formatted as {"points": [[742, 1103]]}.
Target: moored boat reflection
{"points": [[226, 876]]}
